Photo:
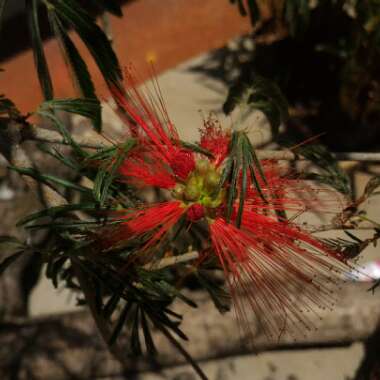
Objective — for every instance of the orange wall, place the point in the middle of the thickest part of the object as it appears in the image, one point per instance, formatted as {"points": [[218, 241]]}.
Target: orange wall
{"points": [[171, 30]]}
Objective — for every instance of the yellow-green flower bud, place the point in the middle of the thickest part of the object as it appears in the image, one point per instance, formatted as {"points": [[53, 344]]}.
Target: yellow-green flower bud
{"points": [[178, 191], [193, 189], [212, 180], [192, 192]]}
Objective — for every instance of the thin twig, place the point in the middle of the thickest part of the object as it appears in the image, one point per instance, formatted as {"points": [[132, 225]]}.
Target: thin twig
{"points": [[96, 141], [170, 261], [36, 133], [288, 155], [337, 227], [100, 321]]}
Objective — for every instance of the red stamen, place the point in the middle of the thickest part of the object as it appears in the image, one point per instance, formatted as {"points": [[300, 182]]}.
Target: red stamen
{"points": [[153, 222], [215, 140], [144, 167], [270, 272]]}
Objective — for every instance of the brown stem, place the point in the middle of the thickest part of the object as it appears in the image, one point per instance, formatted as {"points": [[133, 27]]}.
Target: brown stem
{"points": [[96, 141]]}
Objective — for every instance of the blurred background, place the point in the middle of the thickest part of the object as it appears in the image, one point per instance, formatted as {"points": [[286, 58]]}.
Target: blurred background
{"points": [[322, 56]]}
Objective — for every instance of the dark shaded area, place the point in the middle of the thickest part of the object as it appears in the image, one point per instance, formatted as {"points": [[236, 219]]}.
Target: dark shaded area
{"points": [[56, 346], [370, 366], [330, 75], [15, 32], [18, 356]]}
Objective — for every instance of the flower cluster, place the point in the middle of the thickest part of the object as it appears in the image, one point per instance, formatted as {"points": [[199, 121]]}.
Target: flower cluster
{"points": [[271, 265]]}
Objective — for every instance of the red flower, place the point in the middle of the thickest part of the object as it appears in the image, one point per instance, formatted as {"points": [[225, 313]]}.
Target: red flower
{"points": [[271, 265]]}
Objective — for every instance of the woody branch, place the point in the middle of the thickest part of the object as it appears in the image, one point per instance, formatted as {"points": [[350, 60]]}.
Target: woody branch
{"points": [[93, 140]]}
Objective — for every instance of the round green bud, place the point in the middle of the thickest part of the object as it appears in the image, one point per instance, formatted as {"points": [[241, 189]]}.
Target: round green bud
{"points": [[192, 192], [202, 166], [212, 180]]}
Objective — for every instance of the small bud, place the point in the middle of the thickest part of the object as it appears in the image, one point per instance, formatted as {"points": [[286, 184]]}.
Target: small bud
{"points": [[212, 180], [192, 191], [202, 166], [178, 191], [195, 212]]}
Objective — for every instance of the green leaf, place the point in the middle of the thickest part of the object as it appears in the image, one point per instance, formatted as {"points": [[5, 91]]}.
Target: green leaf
{"points": [[179, 347], [120, 323], [78, 67], [149, 343], [135, 337], [92, 35], [243, 192], [350, 249], [220, 297], [38, 50], [111, 306], [57, 211], [8, 108], [258, 94], [240, 6], [371, 186], [47, 178], [49, 114], [241, 159], [11, 240], [196, 148], [375, 286], [106, 176], [9, 261], [55, 153], [53, 269], [252, 9], [331, 173], [89, 108], [232, 191]]}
